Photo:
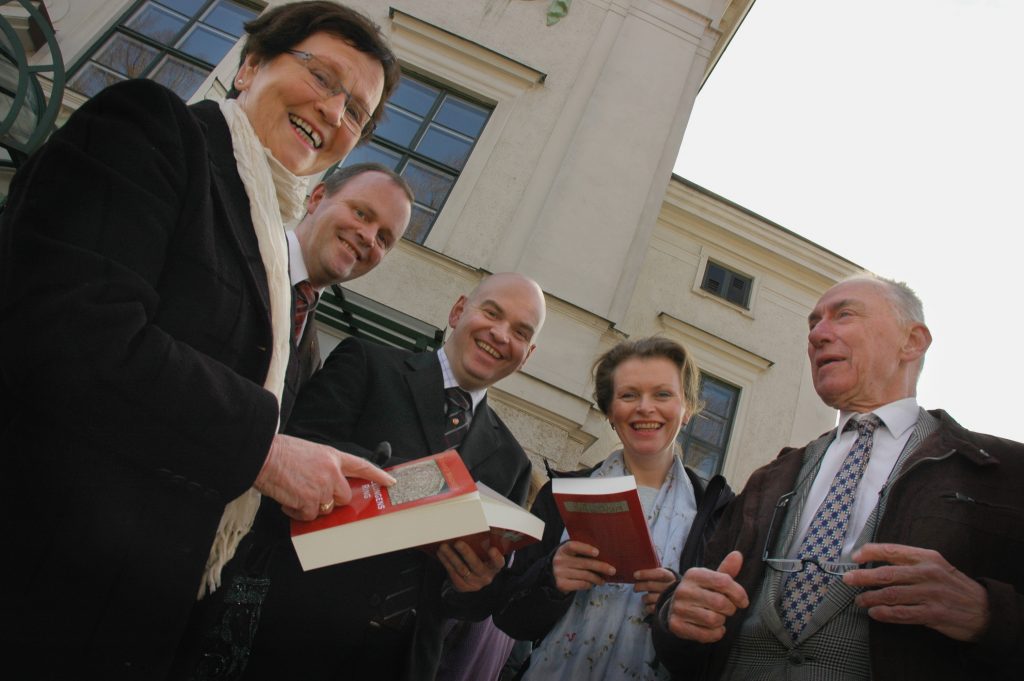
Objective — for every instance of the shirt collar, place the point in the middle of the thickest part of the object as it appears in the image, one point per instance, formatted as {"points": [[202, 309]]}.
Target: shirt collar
{"points": [[898, 416], [296, 263], [449, 379]]}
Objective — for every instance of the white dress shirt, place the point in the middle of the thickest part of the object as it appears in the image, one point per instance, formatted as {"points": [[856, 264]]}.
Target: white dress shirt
{"points": [[449, 380], [297, 269], [898, 421]]}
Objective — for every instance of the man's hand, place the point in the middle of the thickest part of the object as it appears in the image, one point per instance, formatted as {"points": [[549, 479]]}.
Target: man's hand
{"points": [[465, 569], [651, 583], [705, 598], [576, 567], [918, 586], [309, 478]]}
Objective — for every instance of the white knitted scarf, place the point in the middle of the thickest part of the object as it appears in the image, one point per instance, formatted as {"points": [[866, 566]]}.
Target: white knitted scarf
{"points": [[276, 196]]}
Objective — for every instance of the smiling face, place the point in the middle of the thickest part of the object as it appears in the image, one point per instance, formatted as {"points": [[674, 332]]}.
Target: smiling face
{"points": [[862, 356], [347, 234], [647, 408], [493, 330], [302, 130]]}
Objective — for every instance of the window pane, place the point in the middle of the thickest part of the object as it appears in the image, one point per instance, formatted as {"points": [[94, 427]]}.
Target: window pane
{"points": [[710, 430], [126, 56], [430, 186], [91, 79], [229, 17], [373, 153], [705, 461], [188, 7], [717, 398], [419, 224], [445, 147], [462, 116], [157, 23], [414, 96], [179, 76], [398, 126], [206, 44]]}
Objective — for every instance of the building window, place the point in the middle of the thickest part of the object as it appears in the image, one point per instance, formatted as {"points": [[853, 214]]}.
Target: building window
{"points": [[725, 283], [706, 437], [427, 135], [174, 42]]}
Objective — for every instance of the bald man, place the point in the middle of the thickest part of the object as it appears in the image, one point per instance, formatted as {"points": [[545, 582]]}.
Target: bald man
{"points": [[382, 616]]}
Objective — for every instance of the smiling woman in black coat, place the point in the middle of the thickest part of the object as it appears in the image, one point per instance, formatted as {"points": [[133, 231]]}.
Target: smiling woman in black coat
{"points": [[145, 342]]}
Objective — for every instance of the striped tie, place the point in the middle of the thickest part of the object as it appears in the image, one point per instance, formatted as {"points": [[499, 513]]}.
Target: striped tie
{"points": [[305, 297], [458, 413]]}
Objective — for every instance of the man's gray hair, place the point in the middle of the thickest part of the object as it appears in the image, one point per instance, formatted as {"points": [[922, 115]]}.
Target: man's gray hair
{"points": [[905, 302]]}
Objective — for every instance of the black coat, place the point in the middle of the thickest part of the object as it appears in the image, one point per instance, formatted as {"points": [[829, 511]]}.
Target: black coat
{"points": [[134, 342], [312, 621]]}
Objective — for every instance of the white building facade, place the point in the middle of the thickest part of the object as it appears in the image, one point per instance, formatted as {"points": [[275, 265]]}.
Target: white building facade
{"points": [[548, 150]]}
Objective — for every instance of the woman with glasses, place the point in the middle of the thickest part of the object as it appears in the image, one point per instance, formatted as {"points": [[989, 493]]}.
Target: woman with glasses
{"points": [[145, 322], [583, 626]]}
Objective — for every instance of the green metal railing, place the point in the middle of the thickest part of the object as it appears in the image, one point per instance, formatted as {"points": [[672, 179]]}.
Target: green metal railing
{"points": [[362, 317], [30, 116]]}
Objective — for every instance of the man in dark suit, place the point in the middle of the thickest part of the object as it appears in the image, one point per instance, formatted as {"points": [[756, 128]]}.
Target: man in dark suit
{"points": [[354, 217], [891, 549], [381, 617]]}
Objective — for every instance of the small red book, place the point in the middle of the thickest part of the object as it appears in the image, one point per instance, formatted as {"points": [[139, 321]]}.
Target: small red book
{"points": [[434, 499], [606, 513]]}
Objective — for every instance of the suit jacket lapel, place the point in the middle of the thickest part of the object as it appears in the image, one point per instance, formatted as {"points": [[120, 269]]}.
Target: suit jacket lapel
{"points": [[235, 211], [482, 438], [773, 591], [426, 386]]}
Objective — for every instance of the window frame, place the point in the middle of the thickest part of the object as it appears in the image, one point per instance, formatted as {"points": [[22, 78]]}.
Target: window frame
{"points": [[686, 434], [407, 154], [730, 275], [162, 50]]}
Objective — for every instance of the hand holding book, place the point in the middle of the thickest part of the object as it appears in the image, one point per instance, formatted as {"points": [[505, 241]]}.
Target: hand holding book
{"points": [[576, 567], [467, 569], [605, 514]]}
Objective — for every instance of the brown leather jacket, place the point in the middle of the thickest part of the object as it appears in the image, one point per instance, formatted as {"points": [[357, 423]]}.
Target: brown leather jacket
{"points": [[960, 493]]}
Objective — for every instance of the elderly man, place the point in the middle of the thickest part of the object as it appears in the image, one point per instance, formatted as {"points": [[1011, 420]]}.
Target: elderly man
{"points": [[382, 617], [889, 548], [354, 217]]}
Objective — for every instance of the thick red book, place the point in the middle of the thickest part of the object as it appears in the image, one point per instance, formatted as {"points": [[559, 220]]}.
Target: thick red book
{"points": [[511, 527], [434, 500], [606, 513]]}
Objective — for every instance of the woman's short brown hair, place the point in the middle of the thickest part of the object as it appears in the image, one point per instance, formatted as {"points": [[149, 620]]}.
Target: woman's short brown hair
{"points": [[647, 348]]}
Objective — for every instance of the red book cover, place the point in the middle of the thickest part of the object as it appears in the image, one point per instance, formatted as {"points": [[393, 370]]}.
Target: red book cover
{"points": [[606, 513], [434, 499]]}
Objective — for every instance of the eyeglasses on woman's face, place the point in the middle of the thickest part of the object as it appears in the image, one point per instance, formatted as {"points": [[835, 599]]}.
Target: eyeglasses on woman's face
{"points": [[326, 81]]}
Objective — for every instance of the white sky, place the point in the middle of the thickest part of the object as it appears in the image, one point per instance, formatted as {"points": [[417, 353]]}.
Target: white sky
{"points": [[892, 133]]}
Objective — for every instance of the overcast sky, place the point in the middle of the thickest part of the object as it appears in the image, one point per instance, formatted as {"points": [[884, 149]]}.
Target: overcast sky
{"points": [[890, 132]]}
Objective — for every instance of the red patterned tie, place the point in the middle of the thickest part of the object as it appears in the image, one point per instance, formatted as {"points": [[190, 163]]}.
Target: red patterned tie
{"points": [[305, 298]]}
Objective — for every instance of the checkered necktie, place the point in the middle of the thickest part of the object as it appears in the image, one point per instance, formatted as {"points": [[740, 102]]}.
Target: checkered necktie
{"points": [[305, 298], [824, 541], [458, 412]]}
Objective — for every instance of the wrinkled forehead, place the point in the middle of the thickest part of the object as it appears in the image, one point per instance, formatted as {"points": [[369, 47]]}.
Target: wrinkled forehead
{"points": [[858, 292]]}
